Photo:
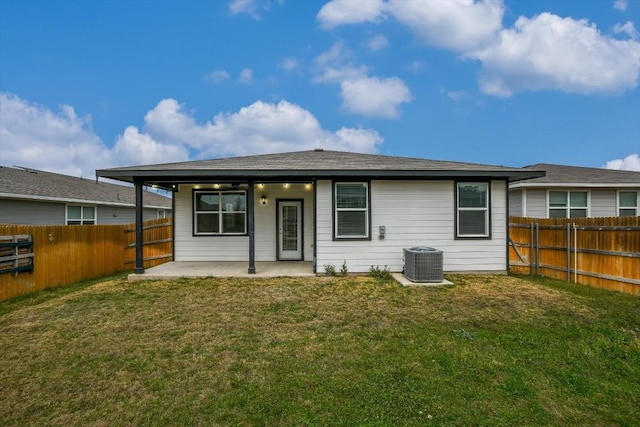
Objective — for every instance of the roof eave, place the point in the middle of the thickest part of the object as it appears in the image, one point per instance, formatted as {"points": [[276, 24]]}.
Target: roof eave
{"points": [[183, 176], [519, 184]]}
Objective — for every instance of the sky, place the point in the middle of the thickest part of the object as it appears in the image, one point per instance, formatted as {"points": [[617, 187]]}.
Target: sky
{"points": [[88, 85]]}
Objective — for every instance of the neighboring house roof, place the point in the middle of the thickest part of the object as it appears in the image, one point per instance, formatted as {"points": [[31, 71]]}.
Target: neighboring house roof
{"points": [[32, 184], [575, 176], [311, 164]]}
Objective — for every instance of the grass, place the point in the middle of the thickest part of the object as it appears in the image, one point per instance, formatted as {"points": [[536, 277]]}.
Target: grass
{"points": [[488, 351]]}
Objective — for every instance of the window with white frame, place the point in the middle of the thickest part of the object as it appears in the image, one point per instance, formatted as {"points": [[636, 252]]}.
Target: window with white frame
{"points": [[81, 215], [472, 209], [568, 204], [351, 202], [219, 212], [627, 203], [161, 214]]}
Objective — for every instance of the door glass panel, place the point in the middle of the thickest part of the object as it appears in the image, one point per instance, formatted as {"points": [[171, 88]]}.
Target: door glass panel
{"points": [[290, 228]]}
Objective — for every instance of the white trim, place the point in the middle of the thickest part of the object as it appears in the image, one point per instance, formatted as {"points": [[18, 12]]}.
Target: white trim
{"points": [[568, 207], [64, 200], [524, 202], [82, 220], [572, 184], [637, 207]]}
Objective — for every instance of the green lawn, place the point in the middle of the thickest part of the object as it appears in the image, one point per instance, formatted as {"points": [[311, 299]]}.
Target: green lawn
{"points": [[489, 351]]}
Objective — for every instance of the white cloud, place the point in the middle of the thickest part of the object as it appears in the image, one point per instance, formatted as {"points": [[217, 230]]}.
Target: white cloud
{"points": [[137, 148], [340, 73], [627, 28], [259, 128], [217, 76], [246, 76], [416, 66], [377, 42], [459, 25], [549, 52], [361, 94], [34, 136], [629, 163], [373, 97], [458, 95], [289, 64], [253, 8], [546, 52], [621, 5], [340, 12]]}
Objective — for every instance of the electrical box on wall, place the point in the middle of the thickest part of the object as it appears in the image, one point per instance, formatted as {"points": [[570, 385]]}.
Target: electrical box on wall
{"points": [[381, 231]]}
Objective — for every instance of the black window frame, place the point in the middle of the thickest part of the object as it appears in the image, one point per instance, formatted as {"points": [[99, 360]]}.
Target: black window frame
{"points": [[220, 212], [334, 210], [457, 235]]}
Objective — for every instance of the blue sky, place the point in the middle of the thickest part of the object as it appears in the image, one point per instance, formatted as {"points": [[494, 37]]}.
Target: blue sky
{"points": [[105, 83]]}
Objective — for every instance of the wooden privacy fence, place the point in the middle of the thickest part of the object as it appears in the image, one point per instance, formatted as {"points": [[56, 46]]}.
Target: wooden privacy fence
{"points": [[602, 252], [65, 254]]}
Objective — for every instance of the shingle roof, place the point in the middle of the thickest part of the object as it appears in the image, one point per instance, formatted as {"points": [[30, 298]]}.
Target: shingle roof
{"points": [[312, 164], [581, 176], [32, 183]]}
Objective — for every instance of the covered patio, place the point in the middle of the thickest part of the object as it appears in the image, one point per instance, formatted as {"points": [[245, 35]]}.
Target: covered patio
{"points": [[176, 269]]}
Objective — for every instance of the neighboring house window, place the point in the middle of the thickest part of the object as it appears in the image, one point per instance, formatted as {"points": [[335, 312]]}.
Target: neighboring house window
{"points": [[81, 215], [568, 204], [161, 214], [472, 209], [627, 203], [351, 202], [219, 212]]}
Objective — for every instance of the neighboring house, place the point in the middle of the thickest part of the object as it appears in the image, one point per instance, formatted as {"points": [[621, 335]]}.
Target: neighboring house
{"points": [[575, 192], [332, 207], [29, 196]]}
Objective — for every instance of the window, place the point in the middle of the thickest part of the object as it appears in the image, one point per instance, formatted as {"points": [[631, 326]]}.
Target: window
{"points": [[161, 214], [568, 204], [219, 212], [81, 215], [472, 209], [351, 201], [627, 203]]}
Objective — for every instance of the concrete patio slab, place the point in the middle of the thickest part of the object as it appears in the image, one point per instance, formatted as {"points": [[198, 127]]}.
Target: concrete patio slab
{"points": [[176, 269], [400, 278]]}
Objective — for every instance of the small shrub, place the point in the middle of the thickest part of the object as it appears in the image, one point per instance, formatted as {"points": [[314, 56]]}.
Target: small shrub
{"points": [[344, 270], [382, 274], [330, 269]]}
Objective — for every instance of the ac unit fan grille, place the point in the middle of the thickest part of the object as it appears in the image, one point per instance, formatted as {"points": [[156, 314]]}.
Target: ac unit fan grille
{"points": [[423, 264]]}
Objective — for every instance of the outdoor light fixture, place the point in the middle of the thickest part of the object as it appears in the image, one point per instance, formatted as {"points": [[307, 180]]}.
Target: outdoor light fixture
{"points": [[285, 185], [263, 199]]}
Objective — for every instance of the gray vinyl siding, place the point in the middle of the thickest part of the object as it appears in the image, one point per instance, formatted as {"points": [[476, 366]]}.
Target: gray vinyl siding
{"points": [[536, 204], [236, 248], [122, 215], [603, 203], [31, 212], [515, 202], [414, 213]]}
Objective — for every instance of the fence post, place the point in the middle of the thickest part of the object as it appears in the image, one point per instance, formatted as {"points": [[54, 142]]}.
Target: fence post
{"points": [[531, 253], [575, 252], [537, 249], [568, 252]]}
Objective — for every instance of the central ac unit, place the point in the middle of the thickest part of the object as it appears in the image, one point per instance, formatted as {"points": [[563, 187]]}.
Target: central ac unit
{"points": [[423, 264]]}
